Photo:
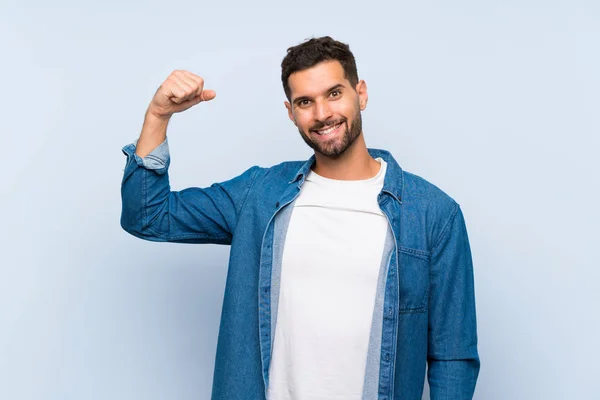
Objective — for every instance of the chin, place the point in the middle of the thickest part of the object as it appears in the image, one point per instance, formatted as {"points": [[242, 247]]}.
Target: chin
{"points": [[336, 149]]}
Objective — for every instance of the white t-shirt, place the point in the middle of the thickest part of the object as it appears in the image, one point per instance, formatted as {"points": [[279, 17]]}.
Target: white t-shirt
{"points": [[331, 259]]}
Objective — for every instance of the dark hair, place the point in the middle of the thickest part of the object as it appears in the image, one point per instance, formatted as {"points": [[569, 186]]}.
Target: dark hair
{"points": [[314, 51]]}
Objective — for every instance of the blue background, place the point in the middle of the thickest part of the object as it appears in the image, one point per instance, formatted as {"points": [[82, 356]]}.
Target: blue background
{"points": [[495, 102]]}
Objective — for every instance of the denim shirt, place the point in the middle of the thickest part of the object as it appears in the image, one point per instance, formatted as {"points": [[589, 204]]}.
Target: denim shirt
{"points": [[424, 320]]}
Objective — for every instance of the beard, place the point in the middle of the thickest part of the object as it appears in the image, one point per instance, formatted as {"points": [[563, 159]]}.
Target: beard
{"points": [[339, 144]]}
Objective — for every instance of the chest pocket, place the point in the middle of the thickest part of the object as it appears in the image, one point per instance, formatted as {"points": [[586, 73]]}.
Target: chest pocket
{"points": [[413, 280]]}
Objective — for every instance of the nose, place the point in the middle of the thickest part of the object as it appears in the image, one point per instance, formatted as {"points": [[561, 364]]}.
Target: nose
{"points": [[322, 110]]}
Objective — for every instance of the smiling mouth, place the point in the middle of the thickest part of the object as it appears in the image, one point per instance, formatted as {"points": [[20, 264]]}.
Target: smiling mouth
{"points": [[328, 130]]}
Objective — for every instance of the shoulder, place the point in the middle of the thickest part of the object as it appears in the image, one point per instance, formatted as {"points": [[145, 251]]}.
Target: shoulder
{"points": [[410, 187], [417, 189], [427, 206], [283, 172]]}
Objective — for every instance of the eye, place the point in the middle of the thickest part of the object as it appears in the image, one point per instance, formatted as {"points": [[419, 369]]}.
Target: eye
{"points": [[303, 103], [335, 93]]}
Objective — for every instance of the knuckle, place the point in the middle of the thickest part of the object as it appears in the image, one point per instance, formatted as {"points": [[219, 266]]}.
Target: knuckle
{"points": [[170, 82]]}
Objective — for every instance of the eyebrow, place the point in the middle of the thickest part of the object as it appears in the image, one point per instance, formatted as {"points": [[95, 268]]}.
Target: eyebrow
{"points": [[331, 89]]}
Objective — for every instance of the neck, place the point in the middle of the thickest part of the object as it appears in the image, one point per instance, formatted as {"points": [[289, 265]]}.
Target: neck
{"points": [[354, 164]]}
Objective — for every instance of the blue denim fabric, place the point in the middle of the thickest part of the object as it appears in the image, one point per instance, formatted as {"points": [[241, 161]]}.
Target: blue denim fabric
{"points": [[425, 312]]}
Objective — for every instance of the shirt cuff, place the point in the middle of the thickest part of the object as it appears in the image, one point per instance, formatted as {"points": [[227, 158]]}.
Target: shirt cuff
{"points": [[158, 159]]}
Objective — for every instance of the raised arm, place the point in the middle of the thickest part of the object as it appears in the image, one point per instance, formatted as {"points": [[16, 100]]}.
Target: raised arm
{"points": [[150, 210]]}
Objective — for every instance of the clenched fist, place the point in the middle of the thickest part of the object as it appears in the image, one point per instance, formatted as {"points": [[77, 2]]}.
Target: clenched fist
{"points": [[180, 91]]}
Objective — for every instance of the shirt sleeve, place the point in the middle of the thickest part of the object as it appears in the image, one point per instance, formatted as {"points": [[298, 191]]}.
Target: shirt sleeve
{"points": [[157, 159], [453, 360], [152, 211]]}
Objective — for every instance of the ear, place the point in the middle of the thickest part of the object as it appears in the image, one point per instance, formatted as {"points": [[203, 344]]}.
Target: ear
{"points": [[363, 96], [290, 113]]}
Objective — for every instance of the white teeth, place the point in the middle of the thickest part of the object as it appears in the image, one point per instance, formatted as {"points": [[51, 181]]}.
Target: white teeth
{"points": [[328, 130]]}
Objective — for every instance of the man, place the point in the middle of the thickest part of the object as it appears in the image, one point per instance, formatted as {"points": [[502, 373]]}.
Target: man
{"points": [[347, 275]]}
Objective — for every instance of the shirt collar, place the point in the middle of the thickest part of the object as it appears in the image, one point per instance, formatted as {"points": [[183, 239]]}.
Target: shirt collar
{"points": [[394, 176]]}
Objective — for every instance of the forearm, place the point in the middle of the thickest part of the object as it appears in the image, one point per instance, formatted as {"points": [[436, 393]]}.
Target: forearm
{"points": [[144, 189], [154, 132], [452, 379]]}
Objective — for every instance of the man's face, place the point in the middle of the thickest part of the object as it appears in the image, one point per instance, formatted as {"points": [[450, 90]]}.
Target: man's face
{"points": [[326, 108]]}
